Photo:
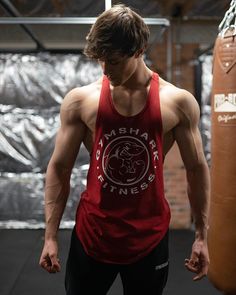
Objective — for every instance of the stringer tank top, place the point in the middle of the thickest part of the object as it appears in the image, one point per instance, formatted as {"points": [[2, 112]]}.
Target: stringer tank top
{"points": [[123, 214]]}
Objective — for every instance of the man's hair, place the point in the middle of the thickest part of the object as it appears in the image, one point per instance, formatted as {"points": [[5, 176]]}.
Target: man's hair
{"points": [[118, 30]]}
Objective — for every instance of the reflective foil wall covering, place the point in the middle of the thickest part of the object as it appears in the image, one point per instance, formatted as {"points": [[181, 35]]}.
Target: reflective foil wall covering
{"points": [[32, 88], [206, 61]]}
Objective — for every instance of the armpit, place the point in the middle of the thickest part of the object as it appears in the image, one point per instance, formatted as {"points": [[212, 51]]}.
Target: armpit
{"points": [[168, 142]]}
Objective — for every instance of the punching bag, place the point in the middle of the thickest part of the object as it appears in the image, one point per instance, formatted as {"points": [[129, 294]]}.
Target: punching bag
{"points": [[222, 218]]}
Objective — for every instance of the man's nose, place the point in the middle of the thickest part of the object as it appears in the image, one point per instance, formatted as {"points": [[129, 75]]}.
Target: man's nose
{"points": [[105, 68]]}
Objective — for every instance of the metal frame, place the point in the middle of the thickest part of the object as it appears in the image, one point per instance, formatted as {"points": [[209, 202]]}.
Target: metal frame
{"points": [[38, 50], [24, 21], [17, 19], [69, 21]]}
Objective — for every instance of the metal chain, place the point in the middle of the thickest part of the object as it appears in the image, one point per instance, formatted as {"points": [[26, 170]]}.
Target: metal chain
{"points": [[230, 16]]}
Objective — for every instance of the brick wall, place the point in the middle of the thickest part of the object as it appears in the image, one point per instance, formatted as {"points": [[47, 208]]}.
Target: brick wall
{"points": [[175, 189], [174, 172]]}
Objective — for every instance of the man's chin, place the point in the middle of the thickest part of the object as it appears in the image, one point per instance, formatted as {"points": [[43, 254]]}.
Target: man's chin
{"points": [[115, 82]]}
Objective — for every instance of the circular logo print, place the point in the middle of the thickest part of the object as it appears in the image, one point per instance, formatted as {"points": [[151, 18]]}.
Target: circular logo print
{"points": [[125, 160]]}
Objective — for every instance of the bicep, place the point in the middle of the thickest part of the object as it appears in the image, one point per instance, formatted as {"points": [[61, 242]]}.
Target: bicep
{"points": [[187, 134], [68, 140]]}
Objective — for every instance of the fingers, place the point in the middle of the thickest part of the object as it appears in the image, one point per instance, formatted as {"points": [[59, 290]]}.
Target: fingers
{"points": [[50, 263], [203, 269], [192, 265], [49, 257], [55, 265], [195, 267], [198, 265]]}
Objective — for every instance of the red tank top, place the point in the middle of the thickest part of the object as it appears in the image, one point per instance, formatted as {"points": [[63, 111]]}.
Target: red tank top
{"points": [[123, 214]]}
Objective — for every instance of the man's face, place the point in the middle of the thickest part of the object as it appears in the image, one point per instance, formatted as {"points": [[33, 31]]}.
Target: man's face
{"points": [[118, 68]]}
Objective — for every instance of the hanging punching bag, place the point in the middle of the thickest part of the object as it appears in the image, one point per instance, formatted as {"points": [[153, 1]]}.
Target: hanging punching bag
{"points": [[222, 218]]}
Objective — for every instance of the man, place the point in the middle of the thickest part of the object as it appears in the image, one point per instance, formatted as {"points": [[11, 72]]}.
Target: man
{"points": [[128, 120]]}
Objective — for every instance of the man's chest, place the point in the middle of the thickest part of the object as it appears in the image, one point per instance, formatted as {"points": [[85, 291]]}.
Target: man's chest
{"points": [[90, 111]]}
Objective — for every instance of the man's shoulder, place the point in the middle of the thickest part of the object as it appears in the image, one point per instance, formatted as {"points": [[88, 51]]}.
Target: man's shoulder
{"points": [[181, 102], [174, 93], [77, 96], [179, 97]]}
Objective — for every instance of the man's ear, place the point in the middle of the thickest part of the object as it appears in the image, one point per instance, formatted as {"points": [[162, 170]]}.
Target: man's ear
{"points": [[139, 53]]}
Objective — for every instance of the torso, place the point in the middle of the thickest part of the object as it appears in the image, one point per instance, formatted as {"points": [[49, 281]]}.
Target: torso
{"points": [[131, 104]]}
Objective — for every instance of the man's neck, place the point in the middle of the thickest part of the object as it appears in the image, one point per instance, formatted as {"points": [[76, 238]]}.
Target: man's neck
{"points": [[140, 78]]}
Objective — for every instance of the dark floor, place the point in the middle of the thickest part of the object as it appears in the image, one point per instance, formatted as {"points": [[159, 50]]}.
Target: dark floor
{"points": [[20, 273]]}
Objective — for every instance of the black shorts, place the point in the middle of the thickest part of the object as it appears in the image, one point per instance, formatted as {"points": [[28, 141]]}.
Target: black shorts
{"points": [[86, 276]]}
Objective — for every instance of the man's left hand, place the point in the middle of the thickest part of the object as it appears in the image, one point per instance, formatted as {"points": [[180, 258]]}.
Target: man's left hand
{"points": [[199, 260]]}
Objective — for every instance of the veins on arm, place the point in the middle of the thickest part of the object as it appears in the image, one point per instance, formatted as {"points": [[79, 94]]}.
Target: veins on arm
{"points": [[67, 145], [188, 138]]}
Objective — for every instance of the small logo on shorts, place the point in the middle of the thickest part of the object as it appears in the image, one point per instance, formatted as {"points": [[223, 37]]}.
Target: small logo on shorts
{"points": [[160, 266]]}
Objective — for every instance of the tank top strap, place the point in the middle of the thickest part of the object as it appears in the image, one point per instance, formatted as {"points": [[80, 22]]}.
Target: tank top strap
{"points": [[154, 93], [103, 106], [154, 87], [154, 104], [105, 92]]}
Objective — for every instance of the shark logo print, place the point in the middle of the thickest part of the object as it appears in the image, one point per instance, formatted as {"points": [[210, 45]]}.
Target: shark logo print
{"points": [[125, 160]]}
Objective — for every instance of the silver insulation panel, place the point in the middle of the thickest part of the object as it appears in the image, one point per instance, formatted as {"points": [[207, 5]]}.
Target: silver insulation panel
{"points": [[32, 87], [206, 61]]}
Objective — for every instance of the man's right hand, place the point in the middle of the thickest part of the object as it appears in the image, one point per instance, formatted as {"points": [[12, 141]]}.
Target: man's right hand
{"points": [[49, 257]]}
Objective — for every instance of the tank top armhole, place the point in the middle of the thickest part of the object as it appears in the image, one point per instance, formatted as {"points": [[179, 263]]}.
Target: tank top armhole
{"points": [[158, 107], [100, 104], [157, 103]]}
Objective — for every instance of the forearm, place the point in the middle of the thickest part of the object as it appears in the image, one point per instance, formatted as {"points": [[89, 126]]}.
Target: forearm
{"points": [[57, 189], [199, 194]]}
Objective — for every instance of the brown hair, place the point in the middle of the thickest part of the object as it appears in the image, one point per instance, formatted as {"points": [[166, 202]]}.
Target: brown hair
{"points": [[118, 30]]}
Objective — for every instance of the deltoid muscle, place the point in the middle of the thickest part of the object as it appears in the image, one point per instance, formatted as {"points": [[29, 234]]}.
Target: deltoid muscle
{"points": [[222, 221]]}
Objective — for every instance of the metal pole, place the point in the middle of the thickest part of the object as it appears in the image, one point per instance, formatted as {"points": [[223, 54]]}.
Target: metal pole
{"points": [[70, 21], [107, 4], [169, 55]]}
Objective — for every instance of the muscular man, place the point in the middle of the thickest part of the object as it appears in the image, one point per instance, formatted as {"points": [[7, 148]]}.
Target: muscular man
{"points": [[128, 120]]}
